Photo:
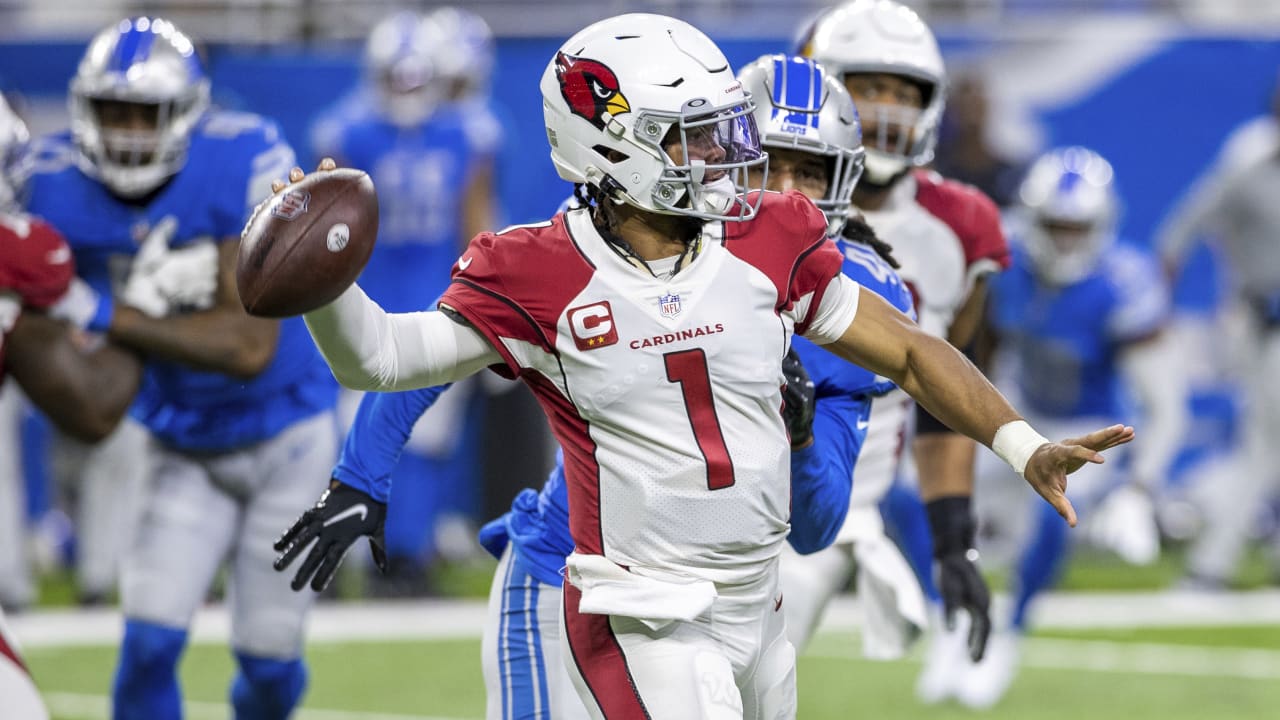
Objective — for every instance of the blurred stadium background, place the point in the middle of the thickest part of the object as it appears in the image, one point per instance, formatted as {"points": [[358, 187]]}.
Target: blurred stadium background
{"points": [[1163, 88]]}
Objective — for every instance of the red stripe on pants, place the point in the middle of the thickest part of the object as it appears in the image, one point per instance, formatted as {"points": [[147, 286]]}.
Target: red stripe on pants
{"points": [[599, 658]]}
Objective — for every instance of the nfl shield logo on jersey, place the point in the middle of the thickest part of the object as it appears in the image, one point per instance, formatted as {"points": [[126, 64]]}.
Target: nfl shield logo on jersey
{"points": [[669, 305]]}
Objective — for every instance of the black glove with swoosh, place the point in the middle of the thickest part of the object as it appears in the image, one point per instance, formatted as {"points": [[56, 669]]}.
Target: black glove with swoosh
{"points": [[341, 516]]}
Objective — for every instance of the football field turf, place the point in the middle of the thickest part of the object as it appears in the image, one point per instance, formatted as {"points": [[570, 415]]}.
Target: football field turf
{"points": [[1215, 671]]}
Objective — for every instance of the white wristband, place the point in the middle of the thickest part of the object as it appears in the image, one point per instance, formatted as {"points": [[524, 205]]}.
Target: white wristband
{"points": [[1015, 442]]}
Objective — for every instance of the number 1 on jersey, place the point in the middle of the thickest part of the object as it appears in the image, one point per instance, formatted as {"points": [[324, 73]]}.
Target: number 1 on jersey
{"points": [[689, 368]]}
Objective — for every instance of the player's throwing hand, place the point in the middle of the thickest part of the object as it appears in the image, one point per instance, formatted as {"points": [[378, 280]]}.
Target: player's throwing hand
{"points": [[1049, 465], [341, 516]]}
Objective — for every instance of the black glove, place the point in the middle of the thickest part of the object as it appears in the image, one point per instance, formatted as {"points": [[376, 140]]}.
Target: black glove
{"points": [[959, 580], [341, 516], [797, 396]]}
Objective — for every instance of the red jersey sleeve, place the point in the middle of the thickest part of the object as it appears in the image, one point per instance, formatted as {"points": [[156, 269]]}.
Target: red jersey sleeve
{"points": [[513, 286], [35, 261], [788, 242], [971, 215]]}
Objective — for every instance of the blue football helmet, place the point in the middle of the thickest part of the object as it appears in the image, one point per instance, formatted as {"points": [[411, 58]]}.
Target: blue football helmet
{"points": [[465, 55], [1067, 212], [800, 106], [135, 100], [402, 66], [14, 156]]}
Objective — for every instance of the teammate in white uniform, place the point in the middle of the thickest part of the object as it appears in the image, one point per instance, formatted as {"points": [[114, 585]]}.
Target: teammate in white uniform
{"points": [[947, 238], [651, 328]]}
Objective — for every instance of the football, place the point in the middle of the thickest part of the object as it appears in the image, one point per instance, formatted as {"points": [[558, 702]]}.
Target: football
{"points": [[305, 245]]}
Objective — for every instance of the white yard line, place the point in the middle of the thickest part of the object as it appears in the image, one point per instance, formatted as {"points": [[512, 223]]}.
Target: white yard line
{"points": [[439, 619], [1125, 657], [76, 706]]}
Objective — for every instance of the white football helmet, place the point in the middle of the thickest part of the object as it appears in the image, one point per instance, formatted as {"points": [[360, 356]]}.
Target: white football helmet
{"points": [[402, 66], [14, 156], [882, 36], [465, 56], [140, 61], [621, 89], [1066, 213], [800, 106]]}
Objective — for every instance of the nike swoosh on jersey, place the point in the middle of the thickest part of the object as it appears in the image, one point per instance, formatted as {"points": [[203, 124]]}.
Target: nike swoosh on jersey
{"points": [[464, 263], [362, 510], [862, 424]]}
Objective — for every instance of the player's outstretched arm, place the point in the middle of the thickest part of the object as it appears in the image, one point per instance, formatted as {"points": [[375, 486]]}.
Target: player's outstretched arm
{"points": [[368, 348], [377, 437], [941, 379], [84, 392]]}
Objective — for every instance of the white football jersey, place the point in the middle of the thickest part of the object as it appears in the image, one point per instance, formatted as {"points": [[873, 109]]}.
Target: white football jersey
{"points": [[664, 393], [945, 235]]}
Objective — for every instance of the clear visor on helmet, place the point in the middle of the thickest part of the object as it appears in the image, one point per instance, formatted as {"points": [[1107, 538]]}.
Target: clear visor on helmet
{"points": [[707, 155]]}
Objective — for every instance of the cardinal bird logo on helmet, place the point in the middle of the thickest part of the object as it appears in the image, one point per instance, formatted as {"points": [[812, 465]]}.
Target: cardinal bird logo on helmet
{"points": [[590, 88]]}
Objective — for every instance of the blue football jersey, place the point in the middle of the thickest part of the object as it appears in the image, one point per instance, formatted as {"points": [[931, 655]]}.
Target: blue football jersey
{"points": [[831, 375], [233, 158], [1066, 339], [422, 174]]}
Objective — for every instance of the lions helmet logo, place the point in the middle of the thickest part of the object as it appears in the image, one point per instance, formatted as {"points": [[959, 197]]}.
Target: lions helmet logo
{"points": [[590, 88]]}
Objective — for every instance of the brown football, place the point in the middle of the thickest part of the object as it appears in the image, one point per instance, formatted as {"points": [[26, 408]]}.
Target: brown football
{"points": [[307, 244]]}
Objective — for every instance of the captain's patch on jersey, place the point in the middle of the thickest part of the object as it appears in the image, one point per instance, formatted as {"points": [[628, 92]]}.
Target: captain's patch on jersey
{"points": [[592, 326]]}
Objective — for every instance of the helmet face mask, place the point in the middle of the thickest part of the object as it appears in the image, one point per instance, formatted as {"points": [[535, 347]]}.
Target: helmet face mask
{"points": [[802, 108], [1066, 214], [708, 156], [645, 108], [135, 100]]}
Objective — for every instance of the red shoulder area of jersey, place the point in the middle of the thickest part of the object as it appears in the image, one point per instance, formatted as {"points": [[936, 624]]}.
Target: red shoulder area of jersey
{"points": [[970, 214], [788, 242], [35, 261], [517, 282]]}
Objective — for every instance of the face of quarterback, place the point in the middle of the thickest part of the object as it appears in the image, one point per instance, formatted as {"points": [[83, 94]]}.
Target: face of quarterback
{"points": [[888, 106], [791, 169], [702, 143]]}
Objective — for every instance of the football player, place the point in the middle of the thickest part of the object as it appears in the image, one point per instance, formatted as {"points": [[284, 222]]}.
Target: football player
{"points": [[84, 389], [651, 326], [948, 239], [815, 146], [432, 162], [239, 408], [1082, 316]]}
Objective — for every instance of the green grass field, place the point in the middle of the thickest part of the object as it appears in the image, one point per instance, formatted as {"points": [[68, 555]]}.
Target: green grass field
{"points": [[1189, 673]]}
